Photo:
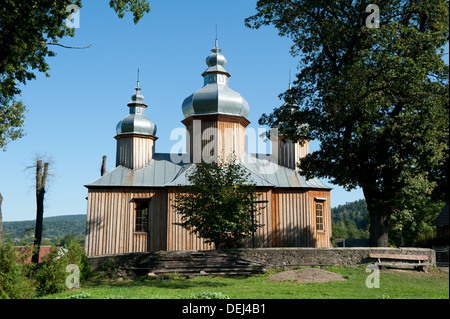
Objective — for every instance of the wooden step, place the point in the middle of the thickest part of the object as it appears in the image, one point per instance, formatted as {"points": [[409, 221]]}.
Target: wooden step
{"points": [[193, 262], [206, 270]]}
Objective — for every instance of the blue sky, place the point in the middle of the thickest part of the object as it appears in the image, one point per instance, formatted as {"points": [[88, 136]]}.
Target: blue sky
{"points": [[73, 114]]}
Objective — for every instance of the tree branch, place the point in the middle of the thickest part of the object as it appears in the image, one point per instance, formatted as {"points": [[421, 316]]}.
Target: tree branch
{"points": [[64, 46]]}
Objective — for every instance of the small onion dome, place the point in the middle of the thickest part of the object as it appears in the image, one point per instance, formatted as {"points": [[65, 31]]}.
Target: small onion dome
{"points": [[136, 122], [215, 97], [216, 62]]}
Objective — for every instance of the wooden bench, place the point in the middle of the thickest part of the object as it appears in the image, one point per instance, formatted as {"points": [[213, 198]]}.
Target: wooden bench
{"points": [[419, 262]]}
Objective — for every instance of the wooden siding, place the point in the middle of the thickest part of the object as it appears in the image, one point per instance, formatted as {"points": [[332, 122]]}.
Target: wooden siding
{"points": [[134, 151], [290, 154], [111, 218], [285, 218], [221, 139], [320, 239], [263, 235], [288, 217], [180, 238]]}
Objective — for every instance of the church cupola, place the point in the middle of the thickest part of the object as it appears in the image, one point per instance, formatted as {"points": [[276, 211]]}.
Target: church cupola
{"points": [[216, 97], [290, 153], [215, 115], [136, 122], [135, 135]]}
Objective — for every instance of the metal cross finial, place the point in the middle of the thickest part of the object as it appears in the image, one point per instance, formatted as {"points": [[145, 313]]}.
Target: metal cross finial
{"points": [[289, 79], [138, 78], [217, 41]]}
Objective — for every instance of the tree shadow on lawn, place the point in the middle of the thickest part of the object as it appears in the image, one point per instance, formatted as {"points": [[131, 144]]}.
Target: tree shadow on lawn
{"points": [[172, 281]]}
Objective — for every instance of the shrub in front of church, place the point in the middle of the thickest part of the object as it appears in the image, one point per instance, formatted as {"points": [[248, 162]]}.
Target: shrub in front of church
{"points": [[51, 274], [16, 281]]}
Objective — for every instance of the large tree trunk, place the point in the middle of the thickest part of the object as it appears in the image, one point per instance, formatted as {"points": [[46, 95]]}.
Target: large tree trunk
{"points": [[1, 218], [40, 192], [379, 227], [379, 216]]}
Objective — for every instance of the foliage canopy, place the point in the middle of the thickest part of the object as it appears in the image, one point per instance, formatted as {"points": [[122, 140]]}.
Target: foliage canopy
{"points": [[28, 29], [375, 98]]}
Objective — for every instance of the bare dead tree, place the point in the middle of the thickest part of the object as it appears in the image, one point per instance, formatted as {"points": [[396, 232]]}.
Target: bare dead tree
{"points": [[1, 218], [103, 169], [41, 176]]}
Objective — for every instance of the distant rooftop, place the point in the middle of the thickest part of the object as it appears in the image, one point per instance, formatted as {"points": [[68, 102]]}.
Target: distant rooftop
{"points": [[442, 219]]}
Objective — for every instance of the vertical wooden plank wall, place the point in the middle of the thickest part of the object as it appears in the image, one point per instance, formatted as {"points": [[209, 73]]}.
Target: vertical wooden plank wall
{"points": [[320, 239], [263, 235], [224, 137], [111, 218], [178, 238], [134, 151], [181, 239], [291, 221], [232, 139], [290, 154]]}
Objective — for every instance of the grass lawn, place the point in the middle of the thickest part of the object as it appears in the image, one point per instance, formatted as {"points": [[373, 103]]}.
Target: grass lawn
{"points": [[394, 284]]}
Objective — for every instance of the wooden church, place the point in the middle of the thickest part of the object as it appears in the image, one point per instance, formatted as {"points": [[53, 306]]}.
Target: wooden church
{"points": [[130, 209]]}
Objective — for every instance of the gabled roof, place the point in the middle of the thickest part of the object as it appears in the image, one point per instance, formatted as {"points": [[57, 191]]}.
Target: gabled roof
{"points": [[165, 170]]}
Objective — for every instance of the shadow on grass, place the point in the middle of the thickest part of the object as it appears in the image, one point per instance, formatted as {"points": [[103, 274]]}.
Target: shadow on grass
{"points": [[172, 281]]}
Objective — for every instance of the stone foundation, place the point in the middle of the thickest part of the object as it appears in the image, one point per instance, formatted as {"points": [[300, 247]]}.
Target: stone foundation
{"points": [[275, 257], [290, 257]]}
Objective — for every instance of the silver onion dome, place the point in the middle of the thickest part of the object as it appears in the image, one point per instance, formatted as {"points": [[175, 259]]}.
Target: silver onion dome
{"points": [[136, 122], [215, 97]]}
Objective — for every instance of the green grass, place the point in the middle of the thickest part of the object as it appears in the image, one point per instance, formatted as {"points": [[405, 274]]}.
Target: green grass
{"points": [[394, 284]]}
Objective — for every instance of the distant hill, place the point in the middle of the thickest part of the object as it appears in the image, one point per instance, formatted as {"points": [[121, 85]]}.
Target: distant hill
{"points": [[356, 211], [350, 220], [55, 228]]}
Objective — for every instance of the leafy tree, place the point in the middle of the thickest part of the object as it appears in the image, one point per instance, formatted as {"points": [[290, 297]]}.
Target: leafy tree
{"points": [[51, 275], [76, 255], [413, 225], [219, 204], [16, 281], [339, 230], [375, 98], [12, 116], [68, 239], [28, 29], [1, 218], [356, 211]]}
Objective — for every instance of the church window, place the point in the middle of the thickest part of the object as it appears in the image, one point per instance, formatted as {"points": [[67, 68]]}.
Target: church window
{"points": [[141, 216], [319, 217]]}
